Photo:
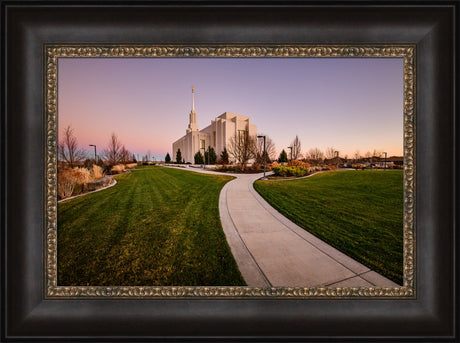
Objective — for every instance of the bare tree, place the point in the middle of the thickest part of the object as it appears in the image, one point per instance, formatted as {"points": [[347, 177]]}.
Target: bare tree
{"points": [[357, 155], [125, 155], [315, 154], [377, 154], [242, 148], [368, 155], [270, 150], [330, 153], [296, 148], [68, 148], [112, 153]]}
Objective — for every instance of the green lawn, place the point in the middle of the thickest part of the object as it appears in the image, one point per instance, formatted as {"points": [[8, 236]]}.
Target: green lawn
{"points": [[358, 212], [157, 226]]}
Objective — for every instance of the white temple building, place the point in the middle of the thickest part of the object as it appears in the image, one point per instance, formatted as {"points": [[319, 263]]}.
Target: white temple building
{"points": [[215, 135]]}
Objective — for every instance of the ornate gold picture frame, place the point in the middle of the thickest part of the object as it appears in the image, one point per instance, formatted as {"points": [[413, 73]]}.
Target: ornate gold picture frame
{"points": [[53, 52]]}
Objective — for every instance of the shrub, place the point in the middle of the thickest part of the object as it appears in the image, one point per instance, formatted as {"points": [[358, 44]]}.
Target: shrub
{"points": [[210, 156], [298, 171], [88, 163], [70, 181], [283, 157], [198, 158], [224, 158], [81, 175], [290, 171], [315, 168], [131, 165], [118, 169], [66, 183], [178, 156], [228, 168], [256, 167], [297, 163], [97, 172], [107, 168], [280, 170]]}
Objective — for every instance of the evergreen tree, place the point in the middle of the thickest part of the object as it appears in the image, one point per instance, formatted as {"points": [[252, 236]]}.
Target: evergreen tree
{"points": [[198, 158], [283, 157], [178, 156], [224, 157], [210, 156], [167, 158]]}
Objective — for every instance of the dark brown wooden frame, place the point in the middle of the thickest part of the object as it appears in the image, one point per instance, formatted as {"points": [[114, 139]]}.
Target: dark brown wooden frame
{"points": [[26, 27]]}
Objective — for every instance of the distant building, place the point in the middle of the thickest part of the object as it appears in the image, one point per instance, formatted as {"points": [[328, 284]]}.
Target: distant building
{"points": [[215, 135]]}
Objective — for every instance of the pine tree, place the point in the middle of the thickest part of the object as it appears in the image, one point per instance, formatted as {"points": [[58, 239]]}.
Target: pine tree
{"points": [[178, 156], [210, 156], [224, 157], [167, 158], [283, 157], [198, 158]]}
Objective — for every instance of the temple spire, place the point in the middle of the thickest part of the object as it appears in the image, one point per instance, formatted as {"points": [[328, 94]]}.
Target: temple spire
{"points": [[193, 99], [192, 126]]}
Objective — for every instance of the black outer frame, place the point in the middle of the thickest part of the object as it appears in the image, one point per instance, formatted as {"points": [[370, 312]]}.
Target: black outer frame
{"points": [[27, 315]]}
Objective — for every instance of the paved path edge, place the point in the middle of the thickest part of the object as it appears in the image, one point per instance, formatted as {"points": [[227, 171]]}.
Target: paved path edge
{"points": [[250, 270]]}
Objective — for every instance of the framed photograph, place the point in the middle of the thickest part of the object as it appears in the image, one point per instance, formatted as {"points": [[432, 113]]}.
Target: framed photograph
{"points": [[249, 179], [164, 226]]}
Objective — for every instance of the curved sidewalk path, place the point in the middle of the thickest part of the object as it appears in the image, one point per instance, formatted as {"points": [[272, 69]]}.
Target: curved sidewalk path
{"points": [[270, 250]]}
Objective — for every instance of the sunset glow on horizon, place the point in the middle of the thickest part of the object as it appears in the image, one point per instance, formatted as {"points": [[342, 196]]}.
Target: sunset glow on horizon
{"points": [[349, 104]]}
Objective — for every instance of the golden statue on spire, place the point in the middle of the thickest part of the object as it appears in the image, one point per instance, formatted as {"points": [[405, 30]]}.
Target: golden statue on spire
{"points": [[192, 89]]}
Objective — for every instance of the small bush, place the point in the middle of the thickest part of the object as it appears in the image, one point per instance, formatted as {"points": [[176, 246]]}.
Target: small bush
{"points": [[118, 169], [81, 175], [299, 171], [290, 171], [316, 169], [107, 168], [297, 163], [70, 181], [228, 168], [131, 165], [66, 183], [280, 170], [256, 167], [97, 172]]}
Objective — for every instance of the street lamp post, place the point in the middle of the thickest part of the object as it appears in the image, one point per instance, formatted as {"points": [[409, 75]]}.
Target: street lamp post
{"points": [[290, 147], [337, 157], [385, 167], [265, 155], [95, 156]]}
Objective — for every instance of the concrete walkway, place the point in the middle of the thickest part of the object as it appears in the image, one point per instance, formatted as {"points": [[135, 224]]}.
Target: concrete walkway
{"points": [[270, 250]]}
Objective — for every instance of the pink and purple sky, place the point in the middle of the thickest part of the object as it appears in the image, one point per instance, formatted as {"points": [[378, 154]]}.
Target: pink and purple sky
{"points": [[349, 104]]}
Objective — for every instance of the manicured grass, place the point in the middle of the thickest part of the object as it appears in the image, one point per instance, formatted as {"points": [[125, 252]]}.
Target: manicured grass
{"points": [[358, 212], [157, 226]]}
